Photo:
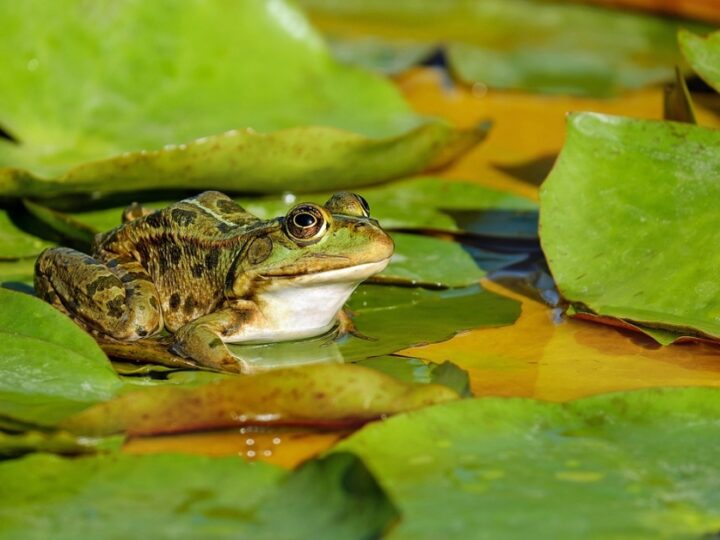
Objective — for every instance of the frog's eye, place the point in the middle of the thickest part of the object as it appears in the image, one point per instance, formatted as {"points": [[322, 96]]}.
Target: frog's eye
{"points": [[306, 223], [348, 204]]}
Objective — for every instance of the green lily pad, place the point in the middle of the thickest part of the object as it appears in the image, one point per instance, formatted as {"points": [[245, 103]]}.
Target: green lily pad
{"points": [[317, 395], [189, 497], [60, 442], [395, 318], [94, 112], [703, 55], [16, 243], [49, 367], [544, 46], [414, 370], [633, 465], [17, 272], [424, 260], [628, 216]]}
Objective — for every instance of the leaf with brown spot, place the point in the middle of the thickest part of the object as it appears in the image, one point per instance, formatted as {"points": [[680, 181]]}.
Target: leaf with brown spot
{"points": [[324, 395]]}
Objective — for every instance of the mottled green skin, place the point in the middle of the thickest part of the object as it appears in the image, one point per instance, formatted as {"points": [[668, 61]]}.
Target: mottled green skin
{"points": [[196, 268]]}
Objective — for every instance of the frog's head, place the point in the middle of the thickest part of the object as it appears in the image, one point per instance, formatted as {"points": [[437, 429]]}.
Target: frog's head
{"points": [[337, 242]]}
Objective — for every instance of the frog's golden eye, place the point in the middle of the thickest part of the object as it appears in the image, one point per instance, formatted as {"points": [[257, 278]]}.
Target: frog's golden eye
{"points": [[348, 204], [306, 223]]}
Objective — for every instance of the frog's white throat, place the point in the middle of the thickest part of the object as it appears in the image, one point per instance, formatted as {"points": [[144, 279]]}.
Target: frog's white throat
{"points": [[304, 306]]}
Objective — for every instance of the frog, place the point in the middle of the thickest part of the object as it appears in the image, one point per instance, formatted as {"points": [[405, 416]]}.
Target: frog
{"points": [[208, 273]]}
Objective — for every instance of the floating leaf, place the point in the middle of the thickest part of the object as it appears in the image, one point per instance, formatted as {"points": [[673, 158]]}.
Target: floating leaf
{"points": [[414, 370], [60, 442], [15, 243], [703, 54], [189, 497], [635, 465], [320, 395], [423, 260], [17, 272], [92, 111], [49, 367], [395, 318], [552, 47], [627, 216]]}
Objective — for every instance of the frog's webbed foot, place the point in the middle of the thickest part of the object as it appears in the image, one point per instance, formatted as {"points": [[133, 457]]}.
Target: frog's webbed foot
{"points": [[201, 341], [347, 326], [115, 298]]}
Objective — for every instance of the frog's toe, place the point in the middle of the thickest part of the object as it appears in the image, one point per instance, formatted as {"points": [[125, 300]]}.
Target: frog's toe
{"points": [[212, 355]]}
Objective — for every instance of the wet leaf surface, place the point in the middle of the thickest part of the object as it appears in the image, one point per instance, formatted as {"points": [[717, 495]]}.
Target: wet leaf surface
{"points": [[395, 318], [26, 442], [658, 209], [87, 137], [332, 395], [49, 367], [637, 465], [553, 47], [175, 496], [15, 242]]}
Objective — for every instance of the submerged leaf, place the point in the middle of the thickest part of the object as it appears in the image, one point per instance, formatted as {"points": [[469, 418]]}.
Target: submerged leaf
{"points": [[627, 218], [49, 367], [93, 111], [394, 318], [634, 465], [189, 497], [320, 395], [553, 47]]}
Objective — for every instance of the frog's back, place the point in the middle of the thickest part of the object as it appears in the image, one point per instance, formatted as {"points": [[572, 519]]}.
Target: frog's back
{"points": [[187, 249]]}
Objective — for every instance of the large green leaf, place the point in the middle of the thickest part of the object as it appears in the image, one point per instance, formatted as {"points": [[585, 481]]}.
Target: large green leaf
{"points": [[546, 46], [703, 54], [95, 110], [189, 497], [15, 242], [395, 318], [319, 395], [634, 465], [49, 367], [629, 218]]}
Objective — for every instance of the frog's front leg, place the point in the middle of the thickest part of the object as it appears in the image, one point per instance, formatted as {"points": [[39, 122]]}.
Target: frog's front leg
{"points": [[115, 297], [202, 339]]}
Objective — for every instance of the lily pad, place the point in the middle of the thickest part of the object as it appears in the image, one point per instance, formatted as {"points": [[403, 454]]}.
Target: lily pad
{"points": [[49, 367], [17, 273], [319, 395], [627, 218], [189, 497], [703, 55], [395, 318], [16, 243], [633, 465], [414, 370], [552, 47], [93, 111], [424, 260], [60, 442]]}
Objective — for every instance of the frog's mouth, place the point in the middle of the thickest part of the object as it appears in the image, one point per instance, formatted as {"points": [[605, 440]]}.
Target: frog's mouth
{"points": [[348, 274]]}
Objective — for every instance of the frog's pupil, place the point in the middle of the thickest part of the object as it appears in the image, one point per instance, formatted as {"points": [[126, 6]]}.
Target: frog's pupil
{"points": [[304, 220], [364, 203]]}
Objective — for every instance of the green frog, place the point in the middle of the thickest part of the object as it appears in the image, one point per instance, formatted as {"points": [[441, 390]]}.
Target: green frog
{"points": [[211, 273]]}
